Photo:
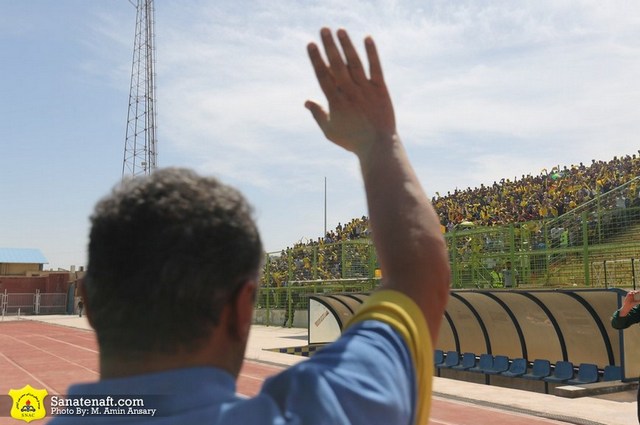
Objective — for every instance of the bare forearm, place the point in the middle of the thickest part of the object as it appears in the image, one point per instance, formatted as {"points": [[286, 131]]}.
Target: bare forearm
{"points": [[625, 309], [411, 250], [405, 228]]}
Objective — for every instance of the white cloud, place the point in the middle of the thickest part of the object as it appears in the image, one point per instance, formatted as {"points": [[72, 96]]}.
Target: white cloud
{"points": [[482, 90], [520, 86]]}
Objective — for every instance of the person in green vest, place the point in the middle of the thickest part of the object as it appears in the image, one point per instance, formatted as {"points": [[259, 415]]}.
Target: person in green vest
{"points": [[496, 278]]}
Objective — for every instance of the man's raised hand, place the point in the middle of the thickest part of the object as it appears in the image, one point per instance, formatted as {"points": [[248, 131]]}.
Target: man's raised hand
{"points": [[360, 109]]}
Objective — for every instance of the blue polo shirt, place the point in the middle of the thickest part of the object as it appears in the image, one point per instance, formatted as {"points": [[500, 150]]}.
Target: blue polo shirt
{"points": [[378, 372]]}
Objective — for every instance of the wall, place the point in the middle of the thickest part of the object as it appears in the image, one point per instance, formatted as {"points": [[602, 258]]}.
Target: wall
{"points": [[47, 283]]}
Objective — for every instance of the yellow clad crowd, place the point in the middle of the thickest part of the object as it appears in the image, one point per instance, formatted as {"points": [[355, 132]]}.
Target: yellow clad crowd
{"points": [[546, 195], [530, 198]]}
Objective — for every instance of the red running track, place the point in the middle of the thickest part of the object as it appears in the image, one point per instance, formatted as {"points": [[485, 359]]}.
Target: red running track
{"points": [[53, 357]]}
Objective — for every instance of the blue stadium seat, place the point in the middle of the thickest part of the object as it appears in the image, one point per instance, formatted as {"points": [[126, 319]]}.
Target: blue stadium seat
{"points": [[468, 361], [541, 369], [612, 373], [452, 359], [500, 364], [485, 363], [587, 374], [518, 368], [563, 371], [438, 357]]}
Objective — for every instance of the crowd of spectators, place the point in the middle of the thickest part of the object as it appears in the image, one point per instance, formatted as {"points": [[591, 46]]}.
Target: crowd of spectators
{"points": [[530, 198], [357, 228], [546, 195], [320, 258]]}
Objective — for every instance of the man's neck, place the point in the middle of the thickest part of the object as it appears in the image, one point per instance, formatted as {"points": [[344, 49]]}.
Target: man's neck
{"points": [[130, 364], [214, 352]]}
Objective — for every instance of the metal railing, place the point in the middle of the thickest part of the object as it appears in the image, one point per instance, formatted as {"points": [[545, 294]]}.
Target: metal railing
{"points": [[275, 304], [32, 303], [594, 245]]}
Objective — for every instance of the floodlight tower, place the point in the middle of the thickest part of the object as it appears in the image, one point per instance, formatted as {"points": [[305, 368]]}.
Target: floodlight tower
{"points": [[140, 146]]}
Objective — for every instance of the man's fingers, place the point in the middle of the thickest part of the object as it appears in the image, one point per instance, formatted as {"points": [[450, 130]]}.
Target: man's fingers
{"points": [[353, 60], [375, 69], [323, 74], [319, 114], [341, 74]]}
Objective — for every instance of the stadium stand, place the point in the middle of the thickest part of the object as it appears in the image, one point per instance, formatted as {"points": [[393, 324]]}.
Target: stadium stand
{"points": [[525, 201]]}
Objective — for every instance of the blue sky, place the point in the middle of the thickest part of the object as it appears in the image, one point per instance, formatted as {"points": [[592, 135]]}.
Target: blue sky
{"points": [[482, 90]]}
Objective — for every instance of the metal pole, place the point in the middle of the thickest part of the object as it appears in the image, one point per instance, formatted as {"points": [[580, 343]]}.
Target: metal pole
{"points": [[325, 208], [633, 272]]}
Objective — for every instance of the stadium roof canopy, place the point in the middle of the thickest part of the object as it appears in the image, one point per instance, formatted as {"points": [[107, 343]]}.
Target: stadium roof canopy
{"points": [[22, 256]]}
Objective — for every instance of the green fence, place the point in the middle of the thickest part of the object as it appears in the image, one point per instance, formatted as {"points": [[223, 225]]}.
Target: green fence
{"points": [[594, 245], [321, 262], [589, 248], [294, 296]]}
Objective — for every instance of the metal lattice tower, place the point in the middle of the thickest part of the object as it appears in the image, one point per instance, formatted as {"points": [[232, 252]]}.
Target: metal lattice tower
{"points": [[140, 148]]}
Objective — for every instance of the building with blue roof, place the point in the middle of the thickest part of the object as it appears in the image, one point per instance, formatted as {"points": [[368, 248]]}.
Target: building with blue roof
{"points": [[21, 261]]}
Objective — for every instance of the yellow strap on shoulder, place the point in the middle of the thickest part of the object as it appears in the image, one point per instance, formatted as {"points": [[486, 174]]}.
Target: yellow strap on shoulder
{"points": [[399, 311]]}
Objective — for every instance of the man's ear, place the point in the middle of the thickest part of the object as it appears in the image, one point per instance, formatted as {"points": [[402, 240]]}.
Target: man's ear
{"points": [[242, 311]]}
